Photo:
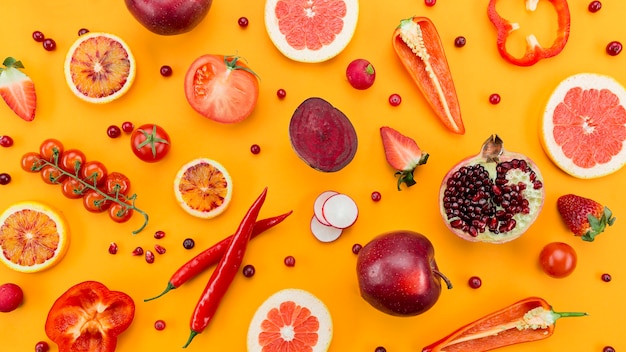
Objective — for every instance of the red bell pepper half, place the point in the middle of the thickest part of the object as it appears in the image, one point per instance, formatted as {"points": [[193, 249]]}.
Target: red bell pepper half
{"points": [[534, 51], [88, 317]]}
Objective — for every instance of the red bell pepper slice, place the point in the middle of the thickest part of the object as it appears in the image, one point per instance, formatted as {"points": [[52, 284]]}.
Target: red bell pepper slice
{"points": [[88, 317], [534, 51]]}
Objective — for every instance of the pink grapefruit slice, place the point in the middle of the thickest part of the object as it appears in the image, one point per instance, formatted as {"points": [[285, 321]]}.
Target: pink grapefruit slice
{"points": [[311, 30], [584, 126], [291, 320]]}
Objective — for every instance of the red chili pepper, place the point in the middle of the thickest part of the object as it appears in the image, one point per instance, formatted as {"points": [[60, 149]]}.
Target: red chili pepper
{"points": [[530, 319], [212, 255], [88, 317], [418, 45], [225, 271], [534, 51]]}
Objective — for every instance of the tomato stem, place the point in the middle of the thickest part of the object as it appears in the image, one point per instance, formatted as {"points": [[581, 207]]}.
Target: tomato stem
{"points": [[231, 64]]}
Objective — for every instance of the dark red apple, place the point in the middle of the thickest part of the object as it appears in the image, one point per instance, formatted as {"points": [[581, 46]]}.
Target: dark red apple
{"points": [[398, 275], [169, 17]]}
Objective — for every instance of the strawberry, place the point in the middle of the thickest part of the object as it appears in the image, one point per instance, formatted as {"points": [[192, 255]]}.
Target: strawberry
{"points": [[583, 216], [17, 89], [402, 154]]}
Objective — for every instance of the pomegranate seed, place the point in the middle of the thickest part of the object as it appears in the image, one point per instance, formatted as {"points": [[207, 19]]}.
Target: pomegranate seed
{"points": [[159, 325], [243, 22], [128, 127], [6, 141], [608, 349], [165, 71], [356, 248], [606, 277], [381, 348], [290, 261], [595, 6], [42, 346], [5, 178], [429, 3], [494, 98], [459, 41], [38, 36], [376, 196], [189, 243], [475, 282], [113, 248], [113, 131], [159, 249], [255, 149], [159, 234], [149, 257], [614, 48], [49, 44], [138, 251], [281, 93], [248, 270], [395, 99], [82, 31]]}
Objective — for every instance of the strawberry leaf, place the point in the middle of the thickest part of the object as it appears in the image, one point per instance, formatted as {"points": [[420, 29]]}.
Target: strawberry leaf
{"points": [[598, 225]]}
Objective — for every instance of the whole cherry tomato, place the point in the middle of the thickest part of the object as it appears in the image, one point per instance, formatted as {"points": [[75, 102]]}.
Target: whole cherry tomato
{"points": [[94, 172], [120, 213], [73, 188], [52, 175], [558, 259], [49, 148], [95, 201], [116, 183], [30, 162], [150, 143], [72, 160]]}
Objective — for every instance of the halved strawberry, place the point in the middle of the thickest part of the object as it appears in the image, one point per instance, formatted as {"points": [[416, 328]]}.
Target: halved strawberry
{"points": [[403, 154], [585, 217], [17, 89]]}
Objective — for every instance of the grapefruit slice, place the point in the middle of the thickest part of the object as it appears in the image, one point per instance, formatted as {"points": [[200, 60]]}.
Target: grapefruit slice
{"points": [[584, 126], [33, 237], [311, 30], [99, 67], [291, 320], [203, 188]]}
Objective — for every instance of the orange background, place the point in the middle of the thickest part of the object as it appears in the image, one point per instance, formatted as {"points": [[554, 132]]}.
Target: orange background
{"points": [[509, 271]]}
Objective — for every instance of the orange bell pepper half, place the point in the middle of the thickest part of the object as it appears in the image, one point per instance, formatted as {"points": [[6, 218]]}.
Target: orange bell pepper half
{"points": [[530, 319], [88, 317], [418, 45]]}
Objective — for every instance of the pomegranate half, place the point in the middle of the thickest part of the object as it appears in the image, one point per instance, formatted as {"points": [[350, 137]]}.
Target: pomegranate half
{"points": [[492, 197]]}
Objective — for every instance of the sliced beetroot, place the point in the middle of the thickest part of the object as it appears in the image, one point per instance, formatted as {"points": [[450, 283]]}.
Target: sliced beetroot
{"points": [[322, 136]]}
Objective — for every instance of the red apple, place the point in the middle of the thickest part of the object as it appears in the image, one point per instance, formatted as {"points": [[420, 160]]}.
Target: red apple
{"points": [[169, 17], [398, 275]]}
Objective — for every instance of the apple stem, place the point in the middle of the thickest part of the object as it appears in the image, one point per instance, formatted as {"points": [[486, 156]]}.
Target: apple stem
{"points": [[445, 279]]}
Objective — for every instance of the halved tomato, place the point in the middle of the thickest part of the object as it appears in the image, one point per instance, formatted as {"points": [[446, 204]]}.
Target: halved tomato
{"points": [[221, 88]]}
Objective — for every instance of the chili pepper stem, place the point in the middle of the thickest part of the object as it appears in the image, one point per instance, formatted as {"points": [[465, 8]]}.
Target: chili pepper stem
{"points": [[444, 278], [191, 336], [169, 287]]}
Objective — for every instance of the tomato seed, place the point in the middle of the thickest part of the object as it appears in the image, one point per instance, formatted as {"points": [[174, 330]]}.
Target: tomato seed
{"points": [[189, 243], [494, 98], [376, 196], [5, 178], [42, 346], [49, 44], [460, 41], [290, 261], [356, 248], [159, 249], [159, 234], [614, 48], [137, 251], [165, 71], [113, 248], [82, 31], [606, 277], [248, 270], [6, 141], [243, 22], [38, 36], [128, 127], [159, 325], [113, 131], [281, 93], [255, 149], [149, 257], [474, 282], [395, 99], [594, 6]]}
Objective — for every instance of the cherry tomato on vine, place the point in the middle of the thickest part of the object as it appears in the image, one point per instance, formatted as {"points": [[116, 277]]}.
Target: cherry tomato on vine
{"points": [[72, 188], [51, 175], [120, 213], [95, 202], [150, 143], [29, 161], [558, 259], [94, 172], [116, 183], [49, 148], [72, 160]]}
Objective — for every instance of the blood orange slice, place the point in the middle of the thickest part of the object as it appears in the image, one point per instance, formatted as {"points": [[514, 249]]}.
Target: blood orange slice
{"points": [[311, 30], [33, 237], [291, 320], [584, 126]]}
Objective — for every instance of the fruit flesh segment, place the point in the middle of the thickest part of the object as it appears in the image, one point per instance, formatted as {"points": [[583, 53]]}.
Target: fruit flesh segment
{"points": [[29, 238], [310, 24], [289, 328], [203, 187]]}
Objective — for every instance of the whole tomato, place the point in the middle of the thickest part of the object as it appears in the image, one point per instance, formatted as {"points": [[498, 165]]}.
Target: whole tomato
{"points": [[120, 213], [72, 160], [73, 188], [558, 259], [95, 202], [51, 175], [150, 143], [31, 162], [94, 172], [51, 148], [116, 183]]}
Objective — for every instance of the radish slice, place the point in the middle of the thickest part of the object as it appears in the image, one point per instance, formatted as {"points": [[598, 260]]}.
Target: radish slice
{"points": [[319, 202], [340, 211], [324, 233]]}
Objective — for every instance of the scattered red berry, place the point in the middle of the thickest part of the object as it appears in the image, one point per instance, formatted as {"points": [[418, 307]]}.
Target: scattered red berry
{"points": [[281, 93], [138, 251], [494, 98], [5, 178], [255, 149], [243, 22], [38, 36], [376, 196], [395, 99], [614, 48], [248, 270], [42, 346], [595, 6], [460, 41], [113, 248], [290, 261], [606, 277], [159, 249], [429, 3], [6, 141], [159, 325], [474, 282], [149, 257], [381, 348], [356, 248], [82, 31], [608, 349], [166, 71], [159, 234], [49, 44], [128, 127], [114, 131], [189, 243]]}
